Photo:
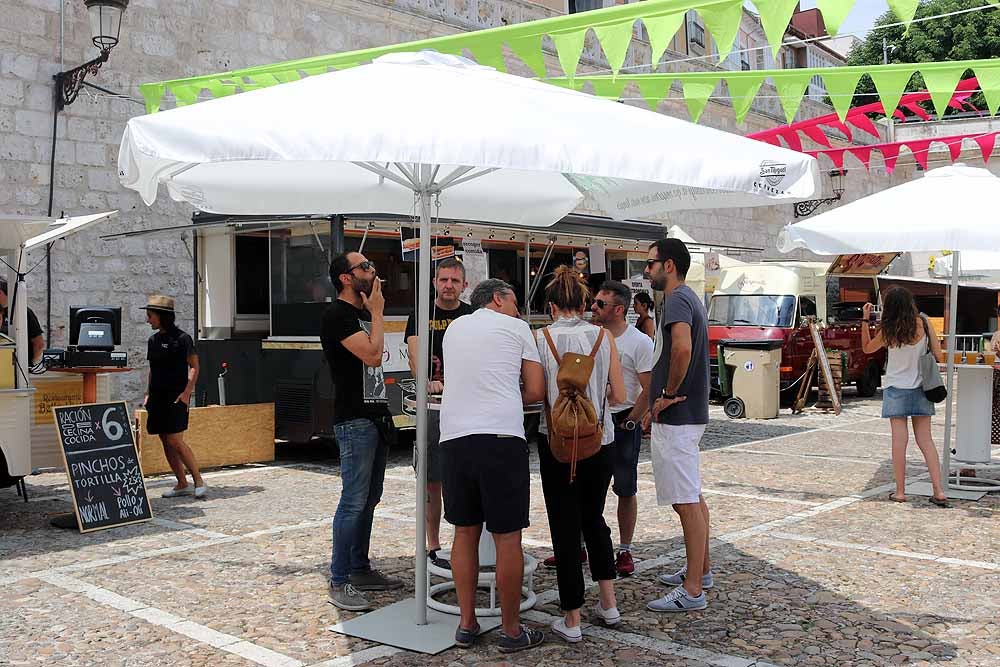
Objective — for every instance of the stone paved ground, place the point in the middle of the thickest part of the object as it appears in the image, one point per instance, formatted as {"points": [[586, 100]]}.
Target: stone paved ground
{"points": [[813, 566]]}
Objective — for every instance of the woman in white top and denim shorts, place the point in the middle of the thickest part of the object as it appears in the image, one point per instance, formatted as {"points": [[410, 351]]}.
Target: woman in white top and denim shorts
{"points": [[908, 335]]}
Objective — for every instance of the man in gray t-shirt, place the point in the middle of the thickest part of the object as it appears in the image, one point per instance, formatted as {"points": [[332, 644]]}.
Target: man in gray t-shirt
{"points": [[682, 306], [678, 395]]}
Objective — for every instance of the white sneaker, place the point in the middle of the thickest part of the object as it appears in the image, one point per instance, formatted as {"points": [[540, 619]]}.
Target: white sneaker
{"points": [[678, 577], [200, 491], [608, 616], [175, 493], [678, 600], [572, 635]]}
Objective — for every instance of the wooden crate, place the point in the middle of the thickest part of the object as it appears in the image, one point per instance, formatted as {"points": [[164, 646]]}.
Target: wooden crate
{"points": [[837, 360], [218, 435]]}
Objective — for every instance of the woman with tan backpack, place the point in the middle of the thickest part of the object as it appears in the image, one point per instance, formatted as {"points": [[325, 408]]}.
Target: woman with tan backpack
{"points": [[582, 375]]}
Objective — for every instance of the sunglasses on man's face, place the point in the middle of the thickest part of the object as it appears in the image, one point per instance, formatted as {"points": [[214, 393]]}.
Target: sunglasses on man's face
{"points": [[602, 304], [651, 262], [364, 266]]}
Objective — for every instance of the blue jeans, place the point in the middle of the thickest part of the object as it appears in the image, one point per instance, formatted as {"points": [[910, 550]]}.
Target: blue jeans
{"points": [[625, 459], [362, 471]]}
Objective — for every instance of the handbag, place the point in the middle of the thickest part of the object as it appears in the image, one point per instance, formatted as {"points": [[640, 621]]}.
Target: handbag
{"points": [[930, 374]]}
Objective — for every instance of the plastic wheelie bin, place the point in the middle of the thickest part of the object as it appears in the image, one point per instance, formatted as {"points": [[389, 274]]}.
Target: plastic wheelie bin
{"points": [[752, 369]]}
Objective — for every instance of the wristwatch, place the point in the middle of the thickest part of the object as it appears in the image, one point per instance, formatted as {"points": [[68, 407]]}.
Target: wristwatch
{"points": [[669, 396], [629, 424]]}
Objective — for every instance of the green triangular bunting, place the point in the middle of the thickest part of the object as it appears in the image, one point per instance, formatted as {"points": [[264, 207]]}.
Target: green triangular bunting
{"points": [[941, 85], [570, 46], [697, 92], [742, 90], [904, 9], [890, 84], [774, 17], [153, 94], [529, 50], [661, 30], [608, 88], [840, 85], [723, 22], [834, 13], [791, 86], [489, 52], [988, 75], [653, 91], [615, 39]]}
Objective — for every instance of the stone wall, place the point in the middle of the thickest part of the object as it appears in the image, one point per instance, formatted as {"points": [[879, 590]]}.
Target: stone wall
{"points": [[163, 40]]}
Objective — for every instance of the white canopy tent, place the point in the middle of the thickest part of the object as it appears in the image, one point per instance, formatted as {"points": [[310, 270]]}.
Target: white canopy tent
{"points": [[18, 235], [917, 216], [440, 134]]}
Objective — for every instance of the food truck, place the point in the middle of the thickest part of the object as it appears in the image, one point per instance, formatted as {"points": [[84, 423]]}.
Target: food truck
{"points": [[777, 300], [262, 285]]}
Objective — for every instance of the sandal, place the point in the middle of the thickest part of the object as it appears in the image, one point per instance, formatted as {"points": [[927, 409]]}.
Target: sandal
{"points": [[894, 498], [940, 502]]}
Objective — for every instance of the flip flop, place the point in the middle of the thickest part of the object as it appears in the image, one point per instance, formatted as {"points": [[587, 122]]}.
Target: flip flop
{"points": [[940, 502], [893, 498]]}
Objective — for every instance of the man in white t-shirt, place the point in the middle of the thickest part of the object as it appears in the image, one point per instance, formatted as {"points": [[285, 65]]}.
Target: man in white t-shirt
{"points": [[485, 475], [635, 350]]}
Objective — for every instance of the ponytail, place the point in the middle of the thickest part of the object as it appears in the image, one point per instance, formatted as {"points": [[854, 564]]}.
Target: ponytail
{"points": [[567, 291]]}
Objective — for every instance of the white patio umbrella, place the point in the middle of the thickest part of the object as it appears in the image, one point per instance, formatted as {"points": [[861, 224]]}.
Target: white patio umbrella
{"points": [[918, 216], [414, 130]]}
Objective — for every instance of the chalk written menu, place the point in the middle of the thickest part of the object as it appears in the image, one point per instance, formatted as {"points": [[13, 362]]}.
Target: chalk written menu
{"points": [[102, 464]]}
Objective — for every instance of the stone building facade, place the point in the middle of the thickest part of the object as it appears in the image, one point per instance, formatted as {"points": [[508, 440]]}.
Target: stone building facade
{"points": [[162, 40]]}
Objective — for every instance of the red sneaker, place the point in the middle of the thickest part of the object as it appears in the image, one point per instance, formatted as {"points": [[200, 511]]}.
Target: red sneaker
{"points": [[551, 560], [623, 564]]}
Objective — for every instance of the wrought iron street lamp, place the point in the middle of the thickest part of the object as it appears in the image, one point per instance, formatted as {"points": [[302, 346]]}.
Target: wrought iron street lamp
{"points": [[805, 208], [105, 26]]}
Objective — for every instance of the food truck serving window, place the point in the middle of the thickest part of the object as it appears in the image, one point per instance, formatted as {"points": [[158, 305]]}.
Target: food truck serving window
{"points": [[752, 309]]}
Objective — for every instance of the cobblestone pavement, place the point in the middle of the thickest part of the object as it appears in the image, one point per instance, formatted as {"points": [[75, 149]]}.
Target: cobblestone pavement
{"points": [[814, 566]]}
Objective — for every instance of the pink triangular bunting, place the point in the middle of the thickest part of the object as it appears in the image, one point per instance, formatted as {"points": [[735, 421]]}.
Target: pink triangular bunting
{"points": [[919, 148], [863, 153], [986, 143], [816, 134], [890, 153]]}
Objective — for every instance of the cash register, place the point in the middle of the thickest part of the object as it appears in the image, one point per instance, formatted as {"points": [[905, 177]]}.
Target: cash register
{"points": [[94, 332]]}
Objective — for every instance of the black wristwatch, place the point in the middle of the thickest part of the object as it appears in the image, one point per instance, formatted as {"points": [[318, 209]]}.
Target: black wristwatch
{"points": [[669, 396]]}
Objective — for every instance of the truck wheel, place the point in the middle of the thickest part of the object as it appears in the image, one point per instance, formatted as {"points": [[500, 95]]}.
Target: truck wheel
{"points": [[734, 408], [868, 384]]}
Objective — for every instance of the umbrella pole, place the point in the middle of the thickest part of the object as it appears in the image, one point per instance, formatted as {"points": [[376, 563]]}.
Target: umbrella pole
{"points": [[423, 319], [950, 365]]}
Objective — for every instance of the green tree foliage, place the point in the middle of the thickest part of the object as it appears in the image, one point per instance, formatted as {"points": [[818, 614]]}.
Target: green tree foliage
{"points": [[970, 36]]}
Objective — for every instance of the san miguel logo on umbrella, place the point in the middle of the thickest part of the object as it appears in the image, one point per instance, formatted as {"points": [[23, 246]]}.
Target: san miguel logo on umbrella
{"points": [[771, 175]]}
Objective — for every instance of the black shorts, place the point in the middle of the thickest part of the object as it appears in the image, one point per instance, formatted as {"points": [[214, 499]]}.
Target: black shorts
{"points": [[433, 447], [486, 479], [166, 415]]}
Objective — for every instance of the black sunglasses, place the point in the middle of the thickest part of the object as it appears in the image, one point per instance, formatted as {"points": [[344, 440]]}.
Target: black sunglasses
{"points": [[651, 262], [602, 304], [364, 266]]}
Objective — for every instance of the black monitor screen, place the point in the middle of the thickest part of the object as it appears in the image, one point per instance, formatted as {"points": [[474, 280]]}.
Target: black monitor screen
{"points": [[98, 314]]}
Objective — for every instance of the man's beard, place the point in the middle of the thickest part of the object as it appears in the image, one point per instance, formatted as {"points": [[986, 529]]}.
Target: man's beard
{"points": [[658, 283], [362, 285]]}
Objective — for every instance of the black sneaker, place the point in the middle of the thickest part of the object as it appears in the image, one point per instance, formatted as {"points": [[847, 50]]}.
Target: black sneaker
{"points": [[437, 561], [529, 638], [466, 638], [374, 580]]}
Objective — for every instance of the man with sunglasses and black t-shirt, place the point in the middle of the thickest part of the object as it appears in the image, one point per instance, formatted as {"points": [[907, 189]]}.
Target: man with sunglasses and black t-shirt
{"points": [[353, 341]]}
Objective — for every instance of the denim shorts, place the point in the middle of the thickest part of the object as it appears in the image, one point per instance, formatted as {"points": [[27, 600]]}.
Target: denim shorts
{"points": [[898, 402]]}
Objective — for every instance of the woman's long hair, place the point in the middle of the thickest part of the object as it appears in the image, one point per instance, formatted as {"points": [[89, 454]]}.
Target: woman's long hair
{"points": [[567, 291], [899, 317]]}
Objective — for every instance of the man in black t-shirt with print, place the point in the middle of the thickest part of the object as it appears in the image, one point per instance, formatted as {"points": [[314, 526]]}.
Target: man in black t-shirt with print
{"points": [[352, 337], [449, 283]]}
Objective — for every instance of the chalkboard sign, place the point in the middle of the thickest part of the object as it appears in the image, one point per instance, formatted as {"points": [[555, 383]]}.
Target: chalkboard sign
{"points": [[102, 464]]}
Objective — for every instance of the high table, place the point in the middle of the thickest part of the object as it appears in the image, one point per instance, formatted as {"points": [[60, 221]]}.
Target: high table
{"points": [[487, 552], [89, 373], [973, 418]]}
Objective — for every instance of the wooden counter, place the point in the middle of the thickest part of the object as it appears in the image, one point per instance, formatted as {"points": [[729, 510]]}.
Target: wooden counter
{"points": [[218, 435]]}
